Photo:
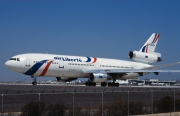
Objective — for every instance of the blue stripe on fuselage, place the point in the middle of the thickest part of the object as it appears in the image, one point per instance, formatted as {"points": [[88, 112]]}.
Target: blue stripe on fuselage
{"points": [[35, 68]]}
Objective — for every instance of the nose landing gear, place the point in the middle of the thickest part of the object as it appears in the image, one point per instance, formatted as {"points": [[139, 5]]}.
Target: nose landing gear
{"points": [[34, 80]]}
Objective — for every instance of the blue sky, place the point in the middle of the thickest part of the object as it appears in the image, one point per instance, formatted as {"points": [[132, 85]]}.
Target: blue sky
{"points": [[102, 28]]}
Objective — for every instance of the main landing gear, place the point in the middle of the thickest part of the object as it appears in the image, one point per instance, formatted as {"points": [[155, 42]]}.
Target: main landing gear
{"points": [[103, 84], [113, 84], [34, 80]]}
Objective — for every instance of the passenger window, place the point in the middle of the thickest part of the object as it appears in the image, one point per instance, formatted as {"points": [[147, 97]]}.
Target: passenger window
{"points": [[18, 59]]}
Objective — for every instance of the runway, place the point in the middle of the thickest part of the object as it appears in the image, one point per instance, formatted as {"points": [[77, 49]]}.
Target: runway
{"points": [[16, 88]]}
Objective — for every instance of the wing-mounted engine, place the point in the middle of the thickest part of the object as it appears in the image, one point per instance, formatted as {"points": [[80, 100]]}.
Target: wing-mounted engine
{"points": [[65, 79], [99, 77], [145, 57]]}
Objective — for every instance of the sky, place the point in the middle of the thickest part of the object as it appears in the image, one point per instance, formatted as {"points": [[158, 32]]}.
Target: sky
{"points": [[97, 28]]}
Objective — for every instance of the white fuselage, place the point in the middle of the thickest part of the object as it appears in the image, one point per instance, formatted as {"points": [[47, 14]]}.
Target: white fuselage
{"points": [[53, 65]]}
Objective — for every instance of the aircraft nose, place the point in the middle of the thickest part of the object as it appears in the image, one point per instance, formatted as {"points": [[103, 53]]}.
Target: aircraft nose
{"points": [[7, 64]]}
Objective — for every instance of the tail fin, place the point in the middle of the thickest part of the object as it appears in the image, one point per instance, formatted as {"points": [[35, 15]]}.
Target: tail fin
{"points": [[147, 53], [150, 45]]}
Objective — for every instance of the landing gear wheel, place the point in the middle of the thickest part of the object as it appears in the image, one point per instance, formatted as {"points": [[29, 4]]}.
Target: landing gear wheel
{"points": [[112, 84], [34, 83], [93, 84], [117, 84], [103, 84], [109, 84], [34, 80]]}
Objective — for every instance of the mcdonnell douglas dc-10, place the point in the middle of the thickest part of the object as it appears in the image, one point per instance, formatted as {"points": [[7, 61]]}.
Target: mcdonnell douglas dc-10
{"points": [[98, 70]]}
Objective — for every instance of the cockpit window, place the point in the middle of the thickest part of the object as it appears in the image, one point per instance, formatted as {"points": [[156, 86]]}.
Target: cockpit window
{"points": [[15, 59]]}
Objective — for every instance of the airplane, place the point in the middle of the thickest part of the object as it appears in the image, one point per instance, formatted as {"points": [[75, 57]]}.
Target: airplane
{"points": [[98, 70]]}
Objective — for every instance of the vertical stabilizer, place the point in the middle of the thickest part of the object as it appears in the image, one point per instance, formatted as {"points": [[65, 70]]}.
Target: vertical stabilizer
{"points": [[147, 53], [150, 45]]}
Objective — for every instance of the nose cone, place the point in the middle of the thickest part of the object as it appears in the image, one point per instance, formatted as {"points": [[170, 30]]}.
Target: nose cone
{"points": [[12, 65], [7, 64]]}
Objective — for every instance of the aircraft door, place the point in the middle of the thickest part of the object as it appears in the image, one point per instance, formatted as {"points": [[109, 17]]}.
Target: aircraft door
{"points": [[61, 65], [27, 62], [97, 65]]}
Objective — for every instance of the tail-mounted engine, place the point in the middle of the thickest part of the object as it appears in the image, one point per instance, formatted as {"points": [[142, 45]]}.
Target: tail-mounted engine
{"points": [[145, 57]]}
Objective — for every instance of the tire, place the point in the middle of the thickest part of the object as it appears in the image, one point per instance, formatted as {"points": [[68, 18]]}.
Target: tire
{"points": [[103, 84], [117, 84], [109, 84], [34, 83]]}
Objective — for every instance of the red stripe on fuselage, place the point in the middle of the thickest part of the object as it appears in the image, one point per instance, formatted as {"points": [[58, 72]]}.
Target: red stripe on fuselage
{"points": [[46, 68], [94, 60]]}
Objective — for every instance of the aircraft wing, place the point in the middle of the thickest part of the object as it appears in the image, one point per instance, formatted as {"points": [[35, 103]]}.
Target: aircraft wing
{"points": [[161, 66], [128, 71], [146, 70]]}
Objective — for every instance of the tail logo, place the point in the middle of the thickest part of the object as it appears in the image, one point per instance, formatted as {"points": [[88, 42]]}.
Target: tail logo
{"points": [[153, 43], [145, 49], [156, 38]]}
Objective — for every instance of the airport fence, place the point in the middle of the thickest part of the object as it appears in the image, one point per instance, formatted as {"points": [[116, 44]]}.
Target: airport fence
{"points": [[104, 102]]}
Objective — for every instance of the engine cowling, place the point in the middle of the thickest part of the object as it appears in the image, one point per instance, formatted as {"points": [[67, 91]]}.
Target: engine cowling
{"points": [[65, 79], [98, 77], [144, 57]]}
